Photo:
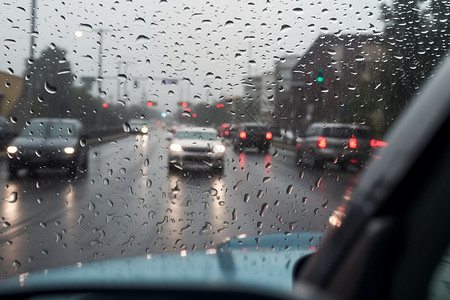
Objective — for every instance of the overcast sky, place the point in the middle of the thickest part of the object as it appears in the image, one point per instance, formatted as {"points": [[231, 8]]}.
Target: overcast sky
{"points": [[207, 42]]}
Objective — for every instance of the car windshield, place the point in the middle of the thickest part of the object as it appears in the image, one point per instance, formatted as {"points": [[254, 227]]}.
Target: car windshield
{"points": [[198, 135], [273, 71], [61, 130], [35, 130]]}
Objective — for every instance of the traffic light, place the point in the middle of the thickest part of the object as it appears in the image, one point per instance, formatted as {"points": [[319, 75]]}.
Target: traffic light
{"points": [[219, 105], [149, 103], [320, 75], [105, 105], [184, 104]]}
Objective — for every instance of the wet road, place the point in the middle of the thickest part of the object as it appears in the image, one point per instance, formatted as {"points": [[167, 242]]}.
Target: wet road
{"points": [[128, 204]]}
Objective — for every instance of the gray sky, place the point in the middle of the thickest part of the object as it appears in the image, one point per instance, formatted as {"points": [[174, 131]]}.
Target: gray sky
{"points": [[205, 41]]}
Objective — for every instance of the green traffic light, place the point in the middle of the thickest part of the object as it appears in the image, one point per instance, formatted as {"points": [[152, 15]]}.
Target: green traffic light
{"points": [[320, 79]]}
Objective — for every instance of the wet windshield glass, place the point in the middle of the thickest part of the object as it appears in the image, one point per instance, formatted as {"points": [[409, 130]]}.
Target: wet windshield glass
{"points": [[259, 77]]}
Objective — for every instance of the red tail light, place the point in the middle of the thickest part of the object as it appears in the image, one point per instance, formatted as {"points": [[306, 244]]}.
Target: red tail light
{"points": [[353, 143], [227, 132], [242, 134], [322, 142], [269, 135], [375, 143]]}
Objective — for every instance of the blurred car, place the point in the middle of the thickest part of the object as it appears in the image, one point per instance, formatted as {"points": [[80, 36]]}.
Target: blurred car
{"points": [[345, 144], [48, 143], [138, 126], [252, 135], [6, 133], [196, 146]]}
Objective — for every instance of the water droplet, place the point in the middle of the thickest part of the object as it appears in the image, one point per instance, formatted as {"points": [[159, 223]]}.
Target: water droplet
{"points": [[259, 194], [285, 27], [49, 88], [234, 215], [316, 211], [126, 127], [263, 209], [149, 183], [80, 219], [16, 264], [289, 189], [106, 181], [142, 39], [13, 197], [265, 179], [318, 181], [122, 78], [246, 197], [304, 200]]}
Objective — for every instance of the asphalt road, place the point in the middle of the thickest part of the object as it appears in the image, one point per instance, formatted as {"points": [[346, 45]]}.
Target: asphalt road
{"points": [[128, 204]]}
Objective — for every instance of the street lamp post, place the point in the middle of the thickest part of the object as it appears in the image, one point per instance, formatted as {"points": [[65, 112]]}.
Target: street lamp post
{"points": [[100, 32]]}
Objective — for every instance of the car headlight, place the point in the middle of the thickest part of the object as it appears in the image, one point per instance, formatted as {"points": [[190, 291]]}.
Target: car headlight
{"points": [[11, 149], [69, 150], [175, 148], [219, 148], [144, 129]]}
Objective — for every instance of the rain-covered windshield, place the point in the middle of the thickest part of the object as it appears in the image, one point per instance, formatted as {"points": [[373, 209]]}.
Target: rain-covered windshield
{"points": [[274, 67]]}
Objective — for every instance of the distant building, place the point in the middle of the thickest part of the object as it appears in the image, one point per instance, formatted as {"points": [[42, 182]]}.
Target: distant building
{"points": [[258, 101], [328, 81]]}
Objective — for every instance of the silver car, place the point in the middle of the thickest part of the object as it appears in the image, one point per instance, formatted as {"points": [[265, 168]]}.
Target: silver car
{"points": [[196, 147]]}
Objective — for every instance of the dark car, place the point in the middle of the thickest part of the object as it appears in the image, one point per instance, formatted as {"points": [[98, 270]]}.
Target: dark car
{"points": [[6, 133], [252, 135], [344, 144], [48, 143]]}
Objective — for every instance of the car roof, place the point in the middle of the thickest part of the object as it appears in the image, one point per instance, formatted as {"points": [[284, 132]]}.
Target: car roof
{"points": [[198, 129]]}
